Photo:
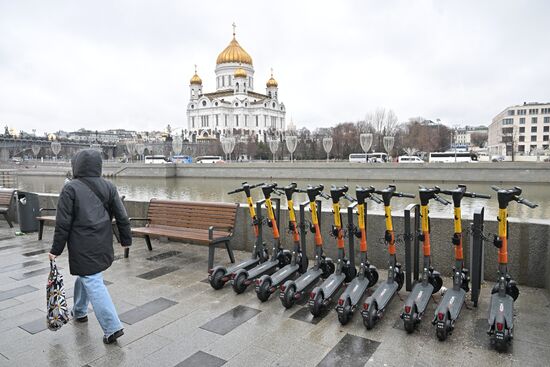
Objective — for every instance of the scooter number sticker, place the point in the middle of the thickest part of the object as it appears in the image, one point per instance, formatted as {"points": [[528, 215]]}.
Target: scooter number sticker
{"points": [[406, 317], [340, 310], [440, 325], [499, 336]]}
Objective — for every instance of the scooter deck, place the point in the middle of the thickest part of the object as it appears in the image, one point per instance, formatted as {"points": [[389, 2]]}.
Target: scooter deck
{"points": [[247, 264], [262, 269], [452, 301], [504, 305], [307, 279], [332, 284], [283, 274], [420, 296], [384, 293], [355, 290]]}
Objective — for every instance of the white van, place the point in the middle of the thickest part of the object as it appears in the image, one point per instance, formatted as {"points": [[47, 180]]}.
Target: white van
{"points": [[409, 159], [155, 159], [209, 159]]}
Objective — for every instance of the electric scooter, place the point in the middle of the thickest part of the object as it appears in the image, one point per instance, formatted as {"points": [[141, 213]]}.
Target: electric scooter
{"points": [[293, 290], [321, 296], [375, 305], [268, 284], [431, 282], [505, 292], [368, 274], [279, 257], [220, 275], [449, 307]]}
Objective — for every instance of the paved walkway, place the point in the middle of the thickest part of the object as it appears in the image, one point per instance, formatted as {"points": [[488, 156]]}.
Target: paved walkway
{"points": [[173, 318]]}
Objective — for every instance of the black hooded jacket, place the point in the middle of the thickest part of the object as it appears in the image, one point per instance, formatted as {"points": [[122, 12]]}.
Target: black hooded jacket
{"points": [[83, 223]]}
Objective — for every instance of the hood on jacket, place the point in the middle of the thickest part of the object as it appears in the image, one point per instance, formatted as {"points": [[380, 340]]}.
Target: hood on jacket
{"points": [[87, 163]]}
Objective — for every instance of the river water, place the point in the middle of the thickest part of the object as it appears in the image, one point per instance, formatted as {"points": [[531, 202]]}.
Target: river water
{"points": [[209, 189]]}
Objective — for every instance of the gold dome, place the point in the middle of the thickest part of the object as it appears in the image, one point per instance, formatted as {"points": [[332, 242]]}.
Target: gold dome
{"points": [[272, 82], [234, 53], [196, 78], [240, 73]]}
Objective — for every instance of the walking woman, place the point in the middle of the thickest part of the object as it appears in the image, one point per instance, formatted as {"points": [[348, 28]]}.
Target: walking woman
{"points": [[87, 204]]}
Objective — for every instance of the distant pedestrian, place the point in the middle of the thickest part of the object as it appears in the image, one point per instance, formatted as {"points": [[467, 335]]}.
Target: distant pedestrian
{"points": [[68, 177], [85, 210]]}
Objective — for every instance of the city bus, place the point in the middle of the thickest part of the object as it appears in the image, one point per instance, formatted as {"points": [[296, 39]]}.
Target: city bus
{"points": [[209, 159], [372, 157], [155, 159], [452, 157]]}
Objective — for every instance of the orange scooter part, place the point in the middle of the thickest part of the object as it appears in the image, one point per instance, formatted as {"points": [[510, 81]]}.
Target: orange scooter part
{"points": [[426, 248], [363, 243], [458, 249], [503, 251], [391, 247]]}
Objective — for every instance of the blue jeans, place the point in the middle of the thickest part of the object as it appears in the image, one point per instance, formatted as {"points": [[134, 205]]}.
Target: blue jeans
{"points": [[90, 288]]}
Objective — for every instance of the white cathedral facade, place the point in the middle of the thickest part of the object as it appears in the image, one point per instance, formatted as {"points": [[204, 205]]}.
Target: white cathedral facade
{"points": [[234, 109]]}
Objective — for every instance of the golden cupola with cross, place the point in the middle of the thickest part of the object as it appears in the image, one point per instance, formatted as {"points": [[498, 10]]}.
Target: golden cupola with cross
{"points": [[234, 107]]}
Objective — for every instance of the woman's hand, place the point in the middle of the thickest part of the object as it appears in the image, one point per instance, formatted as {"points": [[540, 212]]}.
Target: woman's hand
{"points": [[51, 256]]}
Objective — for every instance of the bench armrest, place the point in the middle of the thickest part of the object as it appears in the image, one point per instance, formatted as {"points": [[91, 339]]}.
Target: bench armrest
{"points": [[212, 228], [46, 210]]}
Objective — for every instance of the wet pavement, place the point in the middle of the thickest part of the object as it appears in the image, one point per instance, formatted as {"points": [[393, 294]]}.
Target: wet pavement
{"points": [[172, 317]]}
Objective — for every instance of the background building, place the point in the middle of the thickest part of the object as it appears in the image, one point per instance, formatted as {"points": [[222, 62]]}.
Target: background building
{"points": [[471, 136], [521, 129], [234, 108]]}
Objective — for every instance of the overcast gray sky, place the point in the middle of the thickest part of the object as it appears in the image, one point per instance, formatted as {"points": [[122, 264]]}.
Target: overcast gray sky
{"points": [[127, 64]]}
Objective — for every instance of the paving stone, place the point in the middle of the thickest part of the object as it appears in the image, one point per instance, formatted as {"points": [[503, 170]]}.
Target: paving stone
{"points": [[12, 267], [303, 314], [35, 326], [16, 292], [36, 252], [350, 351], [202, 359], [158, 272], [3, 248], [31, 274], [230, 320], [144, 311], [164, 255]]}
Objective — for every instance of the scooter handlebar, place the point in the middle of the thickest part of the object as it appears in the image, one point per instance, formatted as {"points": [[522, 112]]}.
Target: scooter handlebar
{"points": [[404, 195], [235, 191], [474, 195], [376, 199], [240, 189], [440, 200], [350, 198], [323, 195], [527, 202], [496, 188]]}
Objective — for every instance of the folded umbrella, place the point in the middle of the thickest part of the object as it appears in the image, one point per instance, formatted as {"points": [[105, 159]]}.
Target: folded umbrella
{"points": [[58, 312]]}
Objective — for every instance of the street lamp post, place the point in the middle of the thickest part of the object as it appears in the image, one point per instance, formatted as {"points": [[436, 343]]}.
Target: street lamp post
{"points": [[291, 143], [366, 143], [327, 145], [388, 144]]}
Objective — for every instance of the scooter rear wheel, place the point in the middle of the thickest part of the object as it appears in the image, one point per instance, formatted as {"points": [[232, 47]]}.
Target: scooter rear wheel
{"points": [[239, 285], [346, 315], [288, 297], [216, 279], [501, 345], [317, 305], [264, 290], [370, 320], [442, 333]]}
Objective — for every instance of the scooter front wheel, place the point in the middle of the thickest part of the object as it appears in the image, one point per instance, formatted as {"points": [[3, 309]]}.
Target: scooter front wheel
{"points": [[328, 268], [373, 277], [216, 279], [239, 285], [264, 292]]}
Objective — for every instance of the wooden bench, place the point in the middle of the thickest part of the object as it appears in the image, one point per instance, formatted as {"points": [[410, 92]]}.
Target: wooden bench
{"points": [[42, 219], [195, 222], [6, 197]]}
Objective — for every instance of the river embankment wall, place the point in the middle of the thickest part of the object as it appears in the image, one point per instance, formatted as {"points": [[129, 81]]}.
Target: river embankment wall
{"points": [[529, 241], [487, 172]]}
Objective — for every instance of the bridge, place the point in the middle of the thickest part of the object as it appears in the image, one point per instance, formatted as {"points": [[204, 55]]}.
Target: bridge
{"points": [[13, 147]]}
